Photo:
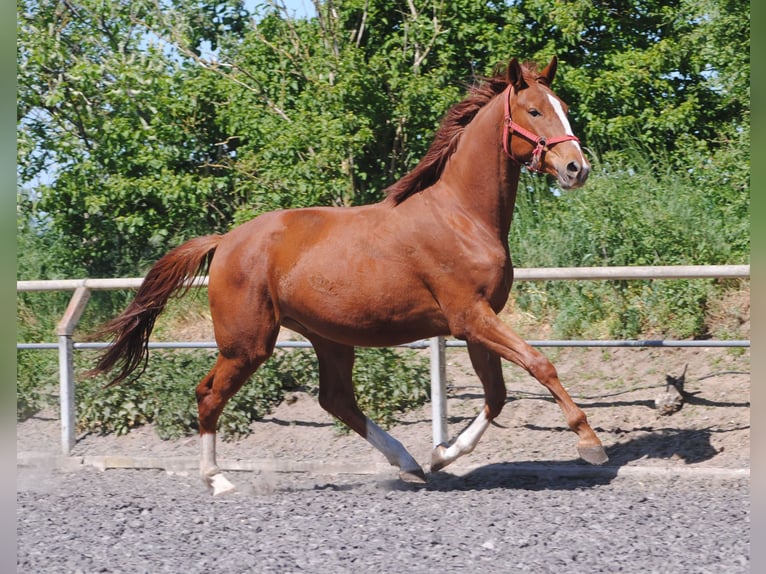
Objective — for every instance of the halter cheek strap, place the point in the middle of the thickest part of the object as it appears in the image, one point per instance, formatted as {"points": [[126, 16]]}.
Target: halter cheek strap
{"points": [[541, 144]]}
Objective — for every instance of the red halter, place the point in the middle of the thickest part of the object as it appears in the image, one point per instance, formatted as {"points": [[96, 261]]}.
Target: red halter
{"points": [[541, 144]]}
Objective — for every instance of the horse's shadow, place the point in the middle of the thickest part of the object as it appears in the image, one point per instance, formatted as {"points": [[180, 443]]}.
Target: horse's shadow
{"points": [[691, 446], [688, 445], [298, 423]]}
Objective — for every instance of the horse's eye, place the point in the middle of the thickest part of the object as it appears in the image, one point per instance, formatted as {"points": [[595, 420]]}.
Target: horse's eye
{"points": [[534, 113]]}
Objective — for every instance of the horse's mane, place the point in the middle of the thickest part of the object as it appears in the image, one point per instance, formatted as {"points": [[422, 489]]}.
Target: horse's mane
{"points": [[429, 169]]}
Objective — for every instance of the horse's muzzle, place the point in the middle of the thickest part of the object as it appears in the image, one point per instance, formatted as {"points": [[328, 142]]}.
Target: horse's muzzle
{"points": [[573, 174]]}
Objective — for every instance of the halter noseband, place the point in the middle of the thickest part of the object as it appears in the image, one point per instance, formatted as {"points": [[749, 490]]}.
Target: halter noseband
{"points": [[541, 144]]}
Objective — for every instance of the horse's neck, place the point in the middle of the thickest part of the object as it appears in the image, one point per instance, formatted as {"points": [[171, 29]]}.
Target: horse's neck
{"points": [[479, 174]]}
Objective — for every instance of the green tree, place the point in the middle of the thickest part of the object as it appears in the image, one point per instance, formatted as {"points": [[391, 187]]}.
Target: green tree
{"points": [[110, 116], [334, 109]]}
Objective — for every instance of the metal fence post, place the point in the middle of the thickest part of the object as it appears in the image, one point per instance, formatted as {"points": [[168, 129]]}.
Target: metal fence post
{"points": [[66, 394], [438, 391], [64, 331]]}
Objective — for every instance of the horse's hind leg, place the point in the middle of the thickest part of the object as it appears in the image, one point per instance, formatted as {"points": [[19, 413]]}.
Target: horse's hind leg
{"points": [[336, 396], [488, 368], [213, 392]]}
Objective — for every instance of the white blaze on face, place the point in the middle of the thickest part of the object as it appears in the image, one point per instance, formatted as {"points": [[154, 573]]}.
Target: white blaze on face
{"points": [[564, 121], [562, 116]]}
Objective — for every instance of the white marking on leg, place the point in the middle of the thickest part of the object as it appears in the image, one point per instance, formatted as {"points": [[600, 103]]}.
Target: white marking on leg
{"points": [[207, 465], [464, 444], [221, 484], [391, 448], [209, 468]]}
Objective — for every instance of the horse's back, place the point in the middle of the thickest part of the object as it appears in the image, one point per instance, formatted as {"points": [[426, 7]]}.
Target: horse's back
{"points": [[281, 238]]}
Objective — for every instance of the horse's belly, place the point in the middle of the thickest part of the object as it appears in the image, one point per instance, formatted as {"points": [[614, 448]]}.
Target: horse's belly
{"points": [[360, 313]]}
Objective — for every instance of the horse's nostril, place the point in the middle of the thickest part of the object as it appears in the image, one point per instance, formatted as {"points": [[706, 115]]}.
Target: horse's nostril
{"points": [[575, 173]]}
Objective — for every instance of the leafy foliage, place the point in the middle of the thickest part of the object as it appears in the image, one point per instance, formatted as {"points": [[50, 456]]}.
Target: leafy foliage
{"points": [[141, 125], [37, 374], [387, 382], [152, 125], [630, 215], [121, 131]]}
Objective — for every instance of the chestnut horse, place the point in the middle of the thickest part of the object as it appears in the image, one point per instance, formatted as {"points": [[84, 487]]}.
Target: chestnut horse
{"points": [[431, 259]]}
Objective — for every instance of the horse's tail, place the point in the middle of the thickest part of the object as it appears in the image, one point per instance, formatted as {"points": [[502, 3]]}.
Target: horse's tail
{"points": [[171, 276]]}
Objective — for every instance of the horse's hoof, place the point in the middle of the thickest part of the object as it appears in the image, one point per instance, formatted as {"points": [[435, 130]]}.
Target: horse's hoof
{"points": [[414, 476], [220, 484], [439, 457], [593, 454]]}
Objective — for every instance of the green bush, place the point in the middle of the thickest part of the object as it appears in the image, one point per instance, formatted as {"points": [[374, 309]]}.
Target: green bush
{"points": [[36, 381], [388, 381], [164, 395], [37, 371]]}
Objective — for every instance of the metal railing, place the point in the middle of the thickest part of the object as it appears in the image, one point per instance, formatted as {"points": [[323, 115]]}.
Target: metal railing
{"points": [[437, 345]]}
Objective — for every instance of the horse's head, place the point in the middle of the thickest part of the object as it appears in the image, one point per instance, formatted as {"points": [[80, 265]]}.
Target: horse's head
{"points": [[538, 133]]}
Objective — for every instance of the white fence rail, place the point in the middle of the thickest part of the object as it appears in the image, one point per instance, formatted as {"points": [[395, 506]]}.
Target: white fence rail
{"points": [[83, 287]]}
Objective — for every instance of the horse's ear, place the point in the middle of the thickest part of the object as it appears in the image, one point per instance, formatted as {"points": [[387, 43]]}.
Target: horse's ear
{"points": [[514, 75], [546, 76]]}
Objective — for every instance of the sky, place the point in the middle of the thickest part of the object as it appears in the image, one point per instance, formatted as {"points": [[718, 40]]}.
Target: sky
{"points": [[296, 8]]}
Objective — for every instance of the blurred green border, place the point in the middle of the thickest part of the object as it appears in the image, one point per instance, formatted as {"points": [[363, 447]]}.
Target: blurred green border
{"points": [[8, 270], [758, 273], [8, 207]]}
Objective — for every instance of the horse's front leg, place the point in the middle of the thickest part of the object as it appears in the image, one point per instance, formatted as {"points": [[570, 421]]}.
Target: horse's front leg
{"points": [[484, 328], [488, 368]]}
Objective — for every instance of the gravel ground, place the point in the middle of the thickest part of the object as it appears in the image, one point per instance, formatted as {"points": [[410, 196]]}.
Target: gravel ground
{"points": [[123, 520]]}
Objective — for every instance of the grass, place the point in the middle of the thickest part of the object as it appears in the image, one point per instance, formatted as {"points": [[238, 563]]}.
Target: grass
{"points": [[635, 216]]}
